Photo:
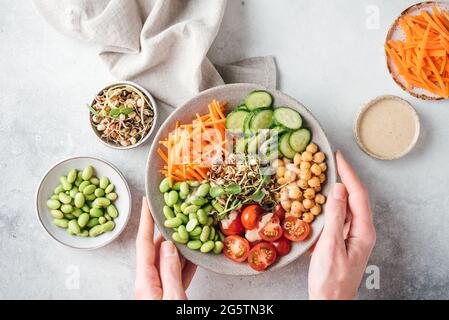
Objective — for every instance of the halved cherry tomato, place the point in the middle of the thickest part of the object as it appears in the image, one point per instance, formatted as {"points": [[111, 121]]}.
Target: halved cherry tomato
{"points": [[295, 229], [272, 230], [235, 227], [236, 248], [279, 211], [283, 246], [262, 256], [250, 216]]}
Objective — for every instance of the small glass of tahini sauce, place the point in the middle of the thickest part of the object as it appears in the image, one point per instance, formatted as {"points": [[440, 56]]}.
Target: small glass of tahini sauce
{"points": [[387, 128]]}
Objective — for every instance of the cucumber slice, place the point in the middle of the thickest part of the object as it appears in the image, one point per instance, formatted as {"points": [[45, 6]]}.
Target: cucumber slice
{"points": [[287, 118], [300, 139], [262, 119], [258, 99], [279, 130], [284, 146], [242, 107], [236, 119], [247, 122], [240, 145]]}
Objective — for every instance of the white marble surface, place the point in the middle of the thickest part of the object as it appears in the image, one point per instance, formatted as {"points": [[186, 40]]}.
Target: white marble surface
{"points": [[327, 58]]}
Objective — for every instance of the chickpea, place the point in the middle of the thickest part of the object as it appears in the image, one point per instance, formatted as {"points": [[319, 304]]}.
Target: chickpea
{"points": [[297, 208], [320, 199], [280, 171], [319, 157], [314, 182], [286, 204], [290, 176], [287, 160], [308, 203], [307, 156], [308, 217], [322, 177], [278, 163], [297, 159], [284, 194], [315, 210], [323, 167], [316, 169], [312, 148], [309, 194], [282, 181], [305, 175], [305, 165], [294, 192], [303, 184]]}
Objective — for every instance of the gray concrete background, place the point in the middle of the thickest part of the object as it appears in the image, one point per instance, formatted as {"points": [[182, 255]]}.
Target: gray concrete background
{"points": [[329, 56]]}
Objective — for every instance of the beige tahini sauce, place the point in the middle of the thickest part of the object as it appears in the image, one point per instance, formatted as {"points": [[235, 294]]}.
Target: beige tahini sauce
{"points": [[388, 127]]}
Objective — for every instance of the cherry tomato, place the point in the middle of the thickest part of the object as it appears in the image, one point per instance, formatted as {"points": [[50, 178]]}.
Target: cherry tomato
{"points": [[279, 211], [272, 230], [262, 256], [235, 227], [236, 248], [250, 216], [295, 229], [283, 246]]}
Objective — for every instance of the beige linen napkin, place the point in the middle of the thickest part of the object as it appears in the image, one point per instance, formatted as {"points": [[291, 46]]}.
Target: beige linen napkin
{"points": [[160, 44]]}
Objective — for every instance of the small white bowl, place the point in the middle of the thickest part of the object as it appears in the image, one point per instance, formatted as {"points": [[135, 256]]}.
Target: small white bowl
{"points": [[50, 181], [153, 124]]}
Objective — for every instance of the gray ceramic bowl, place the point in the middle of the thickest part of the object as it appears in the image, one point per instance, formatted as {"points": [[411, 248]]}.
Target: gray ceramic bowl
{"points": [[233, 94]]}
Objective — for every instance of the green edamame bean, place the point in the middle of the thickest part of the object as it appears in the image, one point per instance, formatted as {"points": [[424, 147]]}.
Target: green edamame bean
{"points": [[172, 198], [112, 211], [83, 185], [80, 200], [218, 248], [92, 222], [191, 209], [65, 199], [58, 189], [207, 247], [168, 212], [108, 226], [69, 216], [85, 208], [54, 197], [204, 236], [203, 190], [202, 216], [112, 196], [177, 207], [195, 238], [193, 184], [66, 185], [104, 182], [101, 202], [102, 220], [84, 233], [172, 223], [99, 192], [184, 188], [62, 223], [176, 186], [88, 172], [95, 212], [164, 186], [90, 197], [73, 192], [216, 192], [184, 205], [210, 221], [208, 208], [94, 181], [193, 216], [67, 208], [71, 177], [191, 225], [77, 212], [110, 188], [57, 214], [212, 233], [196, 232], [108, 217], [183, 218], [74, 227], [217, 206], [198, 201], [89, 189], [96, 230], [177, 238], [183, 196], [83, 220], [194, 244], [221, 236], [183, 232]]}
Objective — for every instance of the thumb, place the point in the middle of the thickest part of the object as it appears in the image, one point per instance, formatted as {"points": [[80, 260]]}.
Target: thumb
{"points": [[171, 272], [336, 210]]}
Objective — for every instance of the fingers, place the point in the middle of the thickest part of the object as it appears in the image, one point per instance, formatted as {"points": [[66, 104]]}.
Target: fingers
{"points": [[362, 224], [188, 272], [148, 285], [336, 210], [171, 272]]}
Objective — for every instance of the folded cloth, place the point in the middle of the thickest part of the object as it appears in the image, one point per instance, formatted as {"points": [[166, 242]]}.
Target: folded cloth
{"points": [[160, 44]]}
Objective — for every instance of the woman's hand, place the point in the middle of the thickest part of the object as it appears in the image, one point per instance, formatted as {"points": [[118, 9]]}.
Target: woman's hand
{"points": [[161, 273], [341, 254]]}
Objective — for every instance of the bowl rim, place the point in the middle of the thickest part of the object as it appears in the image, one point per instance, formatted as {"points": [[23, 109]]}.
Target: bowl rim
{"points": [[153, 125], [331, 158], [38, 191]]}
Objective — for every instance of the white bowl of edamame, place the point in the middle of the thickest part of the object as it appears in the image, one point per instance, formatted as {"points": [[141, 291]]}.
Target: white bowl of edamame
{"points": [[83, 202]]}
